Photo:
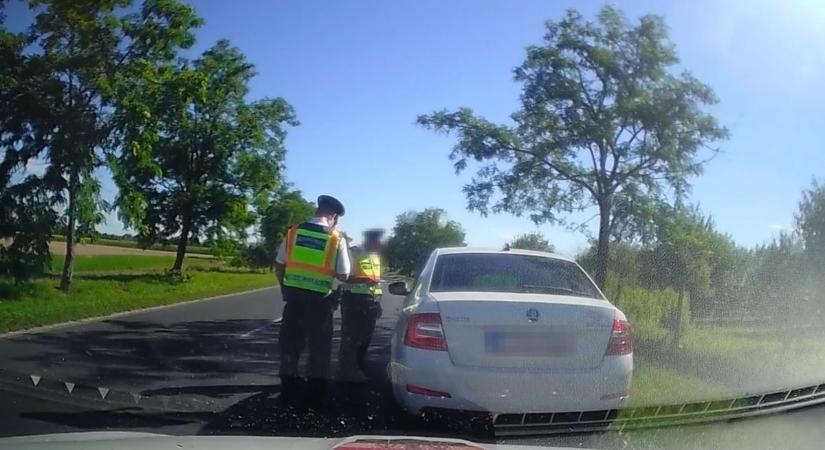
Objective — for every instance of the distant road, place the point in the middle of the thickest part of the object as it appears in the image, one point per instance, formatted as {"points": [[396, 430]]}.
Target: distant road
{"points": [[59, 248]]}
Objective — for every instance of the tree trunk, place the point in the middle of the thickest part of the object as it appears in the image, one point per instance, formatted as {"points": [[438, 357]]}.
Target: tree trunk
{"points": [[71, 215], [619, 289], [602, 250], [182, 243], [677, 323]]}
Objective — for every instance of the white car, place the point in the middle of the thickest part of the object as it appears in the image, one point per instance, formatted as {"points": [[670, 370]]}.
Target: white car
{"points": [[508, 332]]}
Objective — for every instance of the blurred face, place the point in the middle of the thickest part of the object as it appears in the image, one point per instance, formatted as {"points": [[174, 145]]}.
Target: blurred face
{"points": [[372, 245]]}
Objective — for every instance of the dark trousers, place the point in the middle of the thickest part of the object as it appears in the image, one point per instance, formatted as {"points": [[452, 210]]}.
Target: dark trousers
{"points": [[307, 319], [358, 316]]}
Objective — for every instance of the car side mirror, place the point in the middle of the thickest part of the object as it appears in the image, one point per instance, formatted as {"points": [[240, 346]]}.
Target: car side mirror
{"points": [[399, 288]]}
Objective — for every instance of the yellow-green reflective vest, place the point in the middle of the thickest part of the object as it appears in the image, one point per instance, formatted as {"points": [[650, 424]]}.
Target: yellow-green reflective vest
{"points": [[366, 266], [311, 251]]}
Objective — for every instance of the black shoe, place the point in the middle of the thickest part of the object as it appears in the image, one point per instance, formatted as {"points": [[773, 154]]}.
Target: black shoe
{"points": [[292, 391], [316, 392]]}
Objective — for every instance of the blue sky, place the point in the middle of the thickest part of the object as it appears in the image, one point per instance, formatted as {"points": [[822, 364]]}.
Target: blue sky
{"points": [[358, 73]]}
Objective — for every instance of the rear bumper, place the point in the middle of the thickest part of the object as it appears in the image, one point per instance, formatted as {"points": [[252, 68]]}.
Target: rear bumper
{"points": [[508, 390]]}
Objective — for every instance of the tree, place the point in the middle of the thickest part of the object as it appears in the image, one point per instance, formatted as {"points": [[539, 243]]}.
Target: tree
{"points": [[810, 224], [681, 260], [416, 234], [782, 280], [27, 215], [604, 121], [531, 241], [286, 209], [200, 154], [728, 264], [78, 53], [623, 259], [27, 219], [90, 210]]}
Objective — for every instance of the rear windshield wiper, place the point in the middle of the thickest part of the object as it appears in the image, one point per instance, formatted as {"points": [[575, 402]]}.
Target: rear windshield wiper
{"points": [[555, 289]]}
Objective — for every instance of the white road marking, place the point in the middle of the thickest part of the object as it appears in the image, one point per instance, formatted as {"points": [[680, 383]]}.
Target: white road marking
{"points": [[251, 332]]}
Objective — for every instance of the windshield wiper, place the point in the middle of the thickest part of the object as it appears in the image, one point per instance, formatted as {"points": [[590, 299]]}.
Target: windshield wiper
{"points": [[555, 289]]}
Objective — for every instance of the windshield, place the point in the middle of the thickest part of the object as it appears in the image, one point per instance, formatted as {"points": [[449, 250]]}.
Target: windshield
{"points": [[490, 272], [466, 219]]}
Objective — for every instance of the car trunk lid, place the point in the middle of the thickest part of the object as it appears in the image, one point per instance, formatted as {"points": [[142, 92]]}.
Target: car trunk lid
{"points": [[530, 331]]}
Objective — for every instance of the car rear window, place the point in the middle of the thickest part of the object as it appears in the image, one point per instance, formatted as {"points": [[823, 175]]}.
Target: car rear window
{"points": [[498, 272]]}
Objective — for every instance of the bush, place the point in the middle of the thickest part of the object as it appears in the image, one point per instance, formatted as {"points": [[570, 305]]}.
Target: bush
{"points": [[226, 249], [25, 258], [648, 311], [255, 256]]}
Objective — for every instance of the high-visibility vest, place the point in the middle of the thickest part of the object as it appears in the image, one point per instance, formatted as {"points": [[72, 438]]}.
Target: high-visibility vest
{"points": [[311, 251], [366, 266]]}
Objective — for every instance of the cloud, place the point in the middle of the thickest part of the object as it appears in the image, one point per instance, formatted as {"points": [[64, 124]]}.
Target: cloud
{"points": [[778, 227]]}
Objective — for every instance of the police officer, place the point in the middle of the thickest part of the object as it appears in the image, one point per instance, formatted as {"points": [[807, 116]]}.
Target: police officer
{"points": [[311, 257], [360, 307]]}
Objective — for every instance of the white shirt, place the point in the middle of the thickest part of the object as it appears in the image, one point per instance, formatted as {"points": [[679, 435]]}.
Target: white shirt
{"points": [[342, 264]]}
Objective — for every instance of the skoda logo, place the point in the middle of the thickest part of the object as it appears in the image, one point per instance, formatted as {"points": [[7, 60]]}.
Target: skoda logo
{"points": [[533, 315]]}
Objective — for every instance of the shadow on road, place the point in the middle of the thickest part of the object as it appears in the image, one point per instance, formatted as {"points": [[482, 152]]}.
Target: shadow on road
{"points": [[129, 353], [121, 418], [349, 408], [223, 361]]}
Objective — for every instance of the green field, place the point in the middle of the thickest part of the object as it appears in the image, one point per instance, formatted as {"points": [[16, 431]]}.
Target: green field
{"points": [[41, 303], [120, 263], [193, 249], [198, 249], [106, 284]]}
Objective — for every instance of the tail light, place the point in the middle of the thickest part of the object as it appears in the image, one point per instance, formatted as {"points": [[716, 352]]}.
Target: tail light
{"points": [[424, 331], [621, 341], [414, 389]]}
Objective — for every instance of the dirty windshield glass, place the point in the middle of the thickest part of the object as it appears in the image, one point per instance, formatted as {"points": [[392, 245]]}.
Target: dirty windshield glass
{"points": [[556, 223]]}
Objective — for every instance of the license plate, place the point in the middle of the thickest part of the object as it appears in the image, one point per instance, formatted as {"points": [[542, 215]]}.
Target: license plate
{"points": [[526, 344]]}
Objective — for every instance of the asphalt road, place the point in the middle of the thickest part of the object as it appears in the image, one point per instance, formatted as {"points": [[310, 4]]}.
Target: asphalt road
{"points": [[224, 340], [217, 361], [222, 352]]}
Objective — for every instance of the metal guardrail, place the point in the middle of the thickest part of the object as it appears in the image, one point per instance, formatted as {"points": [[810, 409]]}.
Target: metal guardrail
{"points": [[657, 416]]}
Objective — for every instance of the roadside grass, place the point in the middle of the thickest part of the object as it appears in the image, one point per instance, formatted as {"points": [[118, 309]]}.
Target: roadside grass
{"points": [[744, 357], [739, 343], [657, 385], [120, 263], [40, 303], [736, 360]]}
